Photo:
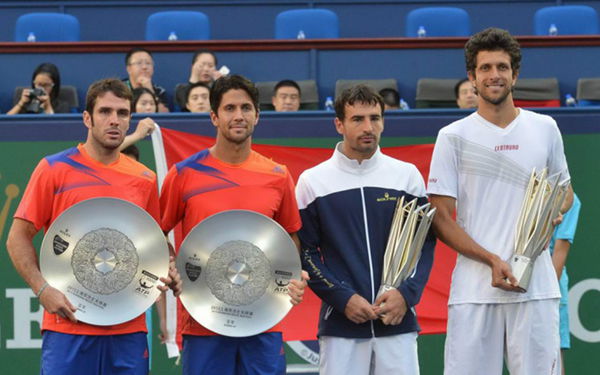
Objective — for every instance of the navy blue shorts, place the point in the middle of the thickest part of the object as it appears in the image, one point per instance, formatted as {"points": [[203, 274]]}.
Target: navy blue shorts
{"points": [[221, 355], [66, 354]]}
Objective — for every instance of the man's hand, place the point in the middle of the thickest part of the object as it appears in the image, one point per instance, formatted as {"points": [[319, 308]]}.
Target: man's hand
{"points": [[391, 307], [173, 280], [296, 288], [557, 220], [55, 302], [502, 276], [144, 81], [144, 128], [359, 310]]}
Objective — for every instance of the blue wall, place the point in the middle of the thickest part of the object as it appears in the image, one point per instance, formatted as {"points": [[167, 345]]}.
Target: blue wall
{"points": [[231, 19]]}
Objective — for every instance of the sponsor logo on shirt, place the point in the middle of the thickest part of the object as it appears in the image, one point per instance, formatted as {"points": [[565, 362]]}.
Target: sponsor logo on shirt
{"points": [[278, 169], [432, 180], [386, 198], [506, 147]]}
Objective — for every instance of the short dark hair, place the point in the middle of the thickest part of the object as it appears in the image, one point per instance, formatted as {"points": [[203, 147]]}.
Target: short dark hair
{"points": [[132, 150], [135, 50], [492, 39], [192, 86], [359, 93], [137, 94], [51, 71], [287, 83], [233, 82], [457, 86], [202, 52], [390, 97], [101, 87]]}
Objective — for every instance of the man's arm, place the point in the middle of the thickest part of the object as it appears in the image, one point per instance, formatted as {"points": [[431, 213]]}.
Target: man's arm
{"points": [[559, 257], [568, 202], [449, 232], [296, 287], [24, 257], [144, 128]]}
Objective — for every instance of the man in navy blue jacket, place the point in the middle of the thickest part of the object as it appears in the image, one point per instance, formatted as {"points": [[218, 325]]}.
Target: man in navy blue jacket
{"points": [[346, 205]]}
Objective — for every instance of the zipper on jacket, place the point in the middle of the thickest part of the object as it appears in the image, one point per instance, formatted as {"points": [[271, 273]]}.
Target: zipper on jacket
{"points": [[364, 208]]}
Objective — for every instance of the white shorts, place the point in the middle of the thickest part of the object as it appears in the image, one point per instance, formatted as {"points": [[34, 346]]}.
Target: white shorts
{"points": [[395, 355], [479, 336]]}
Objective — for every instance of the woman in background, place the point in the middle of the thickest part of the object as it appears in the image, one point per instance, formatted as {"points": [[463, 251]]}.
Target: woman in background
{"points": [[43, 95]]}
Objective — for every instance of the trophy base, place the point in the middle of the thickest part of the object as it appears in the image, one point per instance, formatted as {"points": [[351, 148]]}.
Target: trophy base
{"points": [[522, 268]]}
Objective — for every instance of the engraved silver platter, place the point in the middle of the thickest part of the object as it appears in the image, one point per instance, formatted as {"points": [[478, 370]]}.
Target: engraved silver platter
{"points": [[236, 266], [106, 255]]}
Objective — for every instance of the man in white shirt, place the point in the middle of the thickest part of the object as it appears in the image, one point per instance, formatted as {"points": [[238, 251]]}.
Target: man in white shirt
{"points": [[480, 167]]}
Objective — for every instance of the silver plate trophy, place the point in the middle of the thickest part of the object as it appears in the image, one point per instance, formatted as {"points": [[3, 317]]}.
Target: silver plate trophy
{"points": [[410, 225], [106, 255], [236, 266], [543, 198]]}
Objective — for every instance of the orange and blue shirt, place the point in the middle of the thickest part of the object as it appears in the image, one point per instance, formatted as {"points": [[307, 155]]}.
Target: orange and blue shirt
{"points": [[69, 177], [203, 185]]}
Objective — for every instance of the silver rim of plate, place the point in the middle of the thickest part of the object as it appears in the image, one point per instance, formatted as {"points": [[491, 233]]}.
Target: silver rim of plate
{"points": [[107, 256]]}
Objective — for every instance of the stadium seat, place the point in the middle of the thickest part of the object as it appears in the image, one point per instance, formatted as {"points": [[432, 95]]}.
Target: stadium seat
{"points": [[309, 94], [568, 19], [438, 21], [436, 93], [377, 84], [536, 92], [181, 25], [47, 27], [311, 23], [66, 94], [588, 91]]}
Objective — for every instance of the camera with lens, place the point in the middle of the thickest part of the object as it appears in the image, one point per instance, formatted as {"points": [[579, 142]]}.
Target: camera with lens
{"points": [[34, 105]]}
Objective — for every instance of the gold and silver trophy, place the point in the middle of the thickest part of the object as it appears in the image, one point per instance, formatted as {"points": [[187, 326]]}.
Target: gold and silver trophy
{"points": [[543, 198], [409, 229]]}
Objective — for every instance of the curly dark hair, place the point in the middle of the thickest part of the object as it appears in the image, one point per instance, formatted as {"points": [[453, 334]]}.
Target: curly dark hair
{"points": [[492, 39]]}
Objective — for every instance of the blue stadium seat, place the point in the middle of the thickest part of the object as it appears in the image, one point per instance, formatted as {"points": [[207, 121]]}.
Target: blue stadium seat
{"points": [[311, 23], [568, 19], [185, 25], [47, 27], [438, 21]]}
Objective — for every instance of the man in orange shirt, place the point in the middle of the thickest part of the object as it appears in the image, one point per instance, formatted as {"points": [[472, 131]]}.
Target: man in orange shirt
{"points": [[95, 168], [229, 175]]}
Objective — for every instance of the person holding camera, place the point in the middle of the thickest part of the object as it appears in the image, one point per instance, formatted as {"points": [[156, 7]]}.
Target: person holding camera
{"points": [[42, 97]]}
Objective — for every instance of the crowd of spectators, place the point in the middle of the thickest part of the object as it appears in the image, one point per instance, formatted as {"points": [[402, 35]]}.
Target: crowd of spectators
{"points": [[44, 97]]}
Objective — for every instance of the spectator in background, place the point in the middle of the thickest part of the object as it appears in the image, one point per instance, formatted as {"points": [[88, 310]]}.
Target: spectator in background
{"points": [[204, 70], [132, 151], [143, 101], [286, 96], [560, 244], [43, 95], [466, 96], [140, 69], [391, 99], [197, 98]]}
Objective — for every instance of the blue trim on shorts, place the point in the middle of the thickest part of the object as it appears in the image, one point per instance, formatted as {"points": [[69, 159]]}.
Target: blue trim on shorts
{"points": [[66, 354], [261, 354]]}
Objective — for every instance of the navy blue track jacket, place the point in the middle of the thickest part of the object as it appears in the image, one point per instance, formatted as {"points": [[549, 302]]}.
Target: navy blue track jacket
{"points": [[346, 210]]}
